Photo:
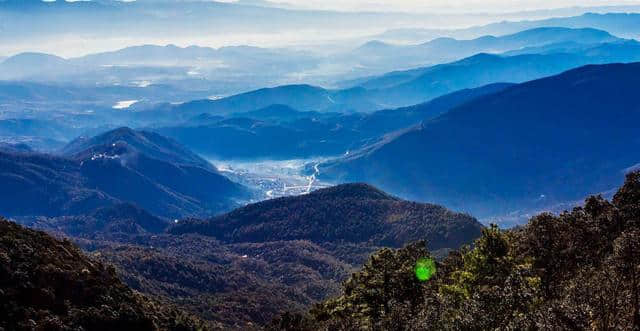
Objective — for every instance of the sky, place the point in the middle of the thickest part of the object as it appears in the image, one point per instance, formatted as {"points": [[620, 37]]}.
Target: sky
{"points": [[460, 6], [449, 5]]}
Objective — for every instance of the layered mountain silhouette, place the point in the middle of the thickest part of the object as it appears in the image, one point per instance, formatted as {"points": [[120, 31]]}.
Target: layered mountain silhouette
{"points": [[441, 50], [427, 134], [528, 146], [422, 84], [193, 68], [281, 132], [405, 88], [119, 166], [622, 23]]}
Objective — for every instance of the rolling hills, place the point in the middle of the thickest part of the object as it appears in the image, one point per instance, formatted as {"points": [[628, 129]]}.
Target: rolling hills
{"points": [[365, 180], [621, 22]]}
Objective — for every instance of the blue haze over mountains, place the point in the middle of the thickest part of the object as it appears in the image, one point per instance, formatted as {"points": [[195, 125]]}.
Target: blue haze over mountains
{"points": [[236, 160], [190, 94], [511, 149]]}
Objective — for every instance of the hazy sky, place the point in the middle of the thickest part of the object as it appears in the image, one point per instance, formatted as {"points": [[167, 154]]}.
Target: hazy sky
{"points": [[81, 42], [453, 5]]}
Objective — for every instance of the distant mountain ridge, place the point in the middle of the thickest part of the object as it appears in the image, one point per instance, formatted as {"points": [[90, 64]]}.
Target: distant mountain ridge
{"points": [[281, 132], [21, 66], [405, 88], [229, 70], [621, 22], [446, 49], [190, 55], [624, 24]]}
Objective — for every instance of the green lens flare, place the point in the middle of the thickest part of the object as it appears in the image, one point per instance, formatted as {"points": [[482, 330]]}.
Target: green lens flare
{"points": [[425, 269]]}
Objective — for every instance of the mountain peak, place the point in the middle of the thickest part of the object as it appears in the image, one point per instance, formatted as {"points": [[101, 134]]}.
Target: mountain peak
{"points": [[353, 213], [127, 140], [121, 132]]}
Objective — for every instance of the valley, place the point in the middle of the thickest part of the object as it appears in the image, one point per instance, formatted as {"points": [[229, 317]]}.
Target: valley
{"points": [[275, 178]]}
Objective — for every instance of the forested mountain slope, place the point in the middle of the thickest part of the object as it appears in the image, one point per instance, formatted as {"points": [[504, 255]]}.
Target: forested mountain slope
{"points": [[574, 271], [48, 284]]}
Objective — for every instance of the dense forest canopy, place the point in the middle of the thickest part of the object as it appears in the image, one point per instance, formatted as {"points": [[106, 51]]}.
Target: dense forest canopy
{"points": [[48, 284]]}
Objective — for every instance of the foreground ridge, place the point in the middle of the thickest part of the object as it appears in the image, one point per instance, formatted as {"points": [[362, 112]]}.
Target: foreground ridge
{"points": [[577, 270], [48, 284]]}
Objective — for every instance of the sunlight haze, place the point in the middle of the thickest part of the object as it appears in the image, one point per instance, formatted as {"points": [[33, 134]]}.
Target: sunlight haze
{"points": [[460, 6]]}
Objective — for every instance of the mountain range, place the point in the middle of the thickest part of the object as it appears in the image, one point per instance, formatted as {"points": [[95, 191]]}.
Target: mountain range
{"points": [[528, 146], [418, 85], [246, 165], [405, 88], [33, 110], [191, 68], [209, 20], [622, 23], [229, 70], [281, 132], [385, 56], [349, 213]]}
